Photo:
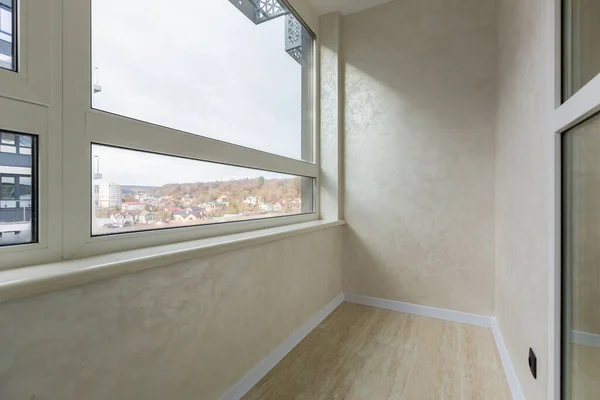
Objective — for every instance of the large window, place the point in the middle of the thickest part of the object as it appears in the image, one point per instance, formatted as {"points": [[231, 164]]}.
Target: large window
{"points": [[581, 255], [578, 122], [137, 191], [152, 123], [236, 71], [17, 196], [192, 121], [7, 37]]}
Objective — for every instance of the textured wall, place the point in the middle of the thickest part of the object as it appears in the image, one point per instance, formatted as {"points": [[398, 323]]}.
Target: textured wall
{"points": [[331, 120], [187, 331], [523, 137], [419, 153]]}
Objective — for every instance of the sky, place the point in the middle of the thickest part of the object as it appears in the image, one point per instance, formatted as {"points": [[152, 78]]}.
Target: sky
{"points": [[129, 167], [200, 66]]}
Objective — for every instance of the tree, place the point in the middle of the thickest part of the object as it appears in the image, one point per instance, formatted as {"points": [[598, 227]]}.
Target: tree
{"points": [[164, 216], [261, 180], [233, 208]]}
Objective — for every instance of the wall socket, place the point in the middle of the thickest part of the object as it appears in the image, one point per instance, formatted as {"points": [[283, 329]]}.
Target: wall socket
{"points": [[532, 363]]}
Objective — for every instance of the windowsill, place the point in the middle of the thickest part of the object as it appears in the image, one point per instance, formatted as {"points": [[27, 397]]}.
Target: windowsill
{"points": [[29, 281]]}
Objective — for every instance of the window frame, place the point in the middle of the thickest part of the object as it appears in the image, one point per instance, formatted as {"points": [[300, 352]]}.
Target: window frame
{"points": [[123, 234], [14, 35], [567, 113], [35, 50], [84, 125]]}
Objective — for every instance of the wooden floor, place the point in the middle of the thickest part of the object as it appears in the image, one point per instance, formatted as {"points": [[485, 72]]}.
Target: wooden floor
{"points": [[361, 352]]}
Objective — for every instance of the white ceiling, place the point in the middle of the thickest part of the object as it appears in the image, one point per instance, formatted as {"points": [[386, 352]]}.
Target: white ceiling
{"points": [[345, 7]]}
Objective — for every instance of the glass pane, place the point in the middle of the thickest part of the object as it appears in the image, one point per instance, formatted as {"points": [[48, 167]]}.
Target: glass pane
{"points": [[581, 263], [25, 188], [135, 191], [7, 190], [217, 68], [581, 30], [17, 200], [24, 141], [7, 42], [8, 138]]}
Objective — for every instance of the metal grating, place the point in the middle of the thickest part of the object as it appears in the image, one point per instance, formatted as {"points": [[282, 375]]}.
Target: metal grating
{"points": [[259, 11], [267, 10]]}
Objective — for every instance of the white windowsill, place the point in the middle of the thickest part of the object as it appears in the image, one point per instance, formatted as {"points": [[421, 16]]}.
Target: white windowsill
{"points": [[29, 281]]}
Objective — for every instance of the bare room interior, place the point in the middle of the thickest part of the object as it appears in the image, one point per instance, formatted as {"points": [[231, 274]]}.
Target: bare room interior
{"points": [[299, 199]]}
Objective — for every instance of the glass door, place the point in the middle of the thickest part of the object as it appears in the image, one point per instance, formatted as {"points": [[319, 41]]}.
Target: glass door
{"points": [[581, 261]]}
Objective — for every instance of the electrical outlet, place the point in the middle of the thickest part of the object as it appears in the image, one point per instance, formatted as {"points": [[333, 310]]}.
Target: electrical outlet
{"points": [[532, 363]]}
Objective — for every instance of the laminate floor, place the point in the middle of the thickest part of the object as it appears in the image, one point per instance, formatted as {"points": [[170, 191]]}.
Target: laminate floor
{"points": [[361, 352], [585, 372]]}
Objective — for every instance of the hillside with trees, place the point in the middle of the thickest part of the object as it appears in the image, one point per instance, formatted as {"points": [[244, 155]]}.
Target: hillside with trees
{"points": [[236, 191]]}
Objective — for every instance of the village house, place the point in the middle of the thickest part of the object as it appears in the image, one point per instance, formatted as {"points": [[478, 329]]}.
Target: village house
{"points": [[122, 218], [253, 200], [146, 217], [266, 207], [188, 215], [132, 206]]}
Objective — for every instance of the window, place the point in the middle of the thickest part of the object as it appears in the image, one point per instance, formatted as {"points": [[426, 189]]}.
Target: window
{"points": [[581, 50], [581, 235], [232, 99], [17, 199], [144, 191], [578, 123], [119, 96], [7, 39], [15, 144], [244, 75]]}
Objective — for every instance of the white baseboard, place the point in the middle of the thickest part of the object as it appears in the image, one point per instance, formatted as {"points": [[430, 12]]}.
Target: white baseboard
{"points": [[439, 313], [450, 315], [585, 338], [238, 390], [509, 370]]}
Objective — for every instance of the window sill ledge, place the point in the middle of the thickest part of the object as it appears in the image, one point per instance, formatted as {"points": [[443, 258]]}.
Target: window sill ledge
{"points": [[30, 281]]}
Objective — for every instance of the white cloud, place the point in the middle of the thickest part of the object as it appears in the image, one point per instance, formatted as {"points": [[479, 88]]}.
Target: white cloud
{"points": [[196, 66]]}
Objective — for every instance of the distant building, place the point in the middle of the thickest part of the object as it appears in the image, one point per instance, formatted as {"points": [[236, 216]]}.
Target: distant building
{"points": [[266, 207], [15, 180], [146, 217], [253, 200], [188, 215], [213, 206], [109, 195], [141, 196], [132, 206], [122, 218]]}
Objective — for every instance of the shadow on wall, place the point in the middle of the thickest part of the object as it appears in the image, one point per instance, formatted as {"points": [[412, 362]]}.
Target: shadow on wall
{"points": [[364, 265], [420, 101]]}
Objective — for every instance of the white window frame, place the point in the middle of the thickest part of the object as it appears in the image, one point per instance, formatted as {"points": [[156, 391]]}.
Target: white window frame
{"points": [[84, 125], [578, 108], [54, 41], [30, 102]]}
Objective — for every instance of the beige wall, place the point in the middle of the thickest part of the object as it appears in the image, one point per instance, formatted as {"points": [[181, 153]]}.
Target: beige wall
{"points": [[331, 122], [187, 331], [523, 175], [419, 153]]}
